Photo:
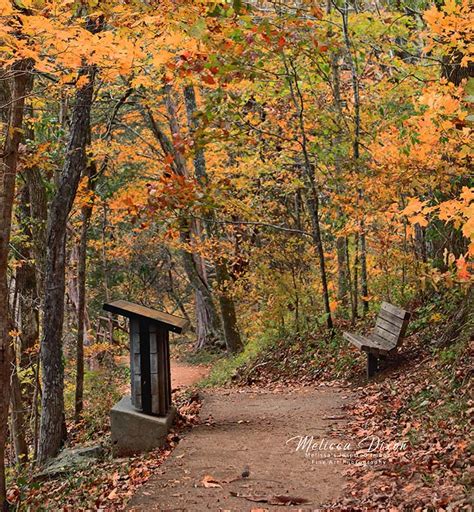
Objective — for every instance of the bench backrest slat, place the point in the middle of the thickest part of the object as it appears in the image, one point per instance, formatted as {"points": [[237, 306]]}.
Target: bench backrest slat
{"points": [[394, 310], [391, 324], [392, 319], [388, 326], [382, 333]]}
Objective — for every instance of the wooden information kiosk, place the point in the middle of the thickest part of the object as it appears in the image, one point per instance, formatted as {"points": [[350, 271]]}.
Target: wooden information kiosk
{"points": [[150, 377]]}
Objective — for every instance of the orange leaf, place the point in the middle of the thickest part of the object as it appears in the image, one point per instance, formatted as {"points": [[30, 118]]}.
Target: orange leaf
{"points": [[462, 266], [208, 79]]}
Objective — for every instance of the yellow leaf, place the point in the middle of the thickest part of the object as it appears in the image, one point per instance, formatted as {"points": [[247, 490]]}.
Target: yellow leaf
{"points": [[450, 7], [5, 8], [414, 206]]}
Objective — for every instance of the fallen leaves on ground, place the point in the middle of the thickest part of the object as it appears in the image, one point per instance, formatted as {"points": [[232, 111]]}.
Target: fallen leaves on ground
{"points": [[109, 483], [426, 403]]}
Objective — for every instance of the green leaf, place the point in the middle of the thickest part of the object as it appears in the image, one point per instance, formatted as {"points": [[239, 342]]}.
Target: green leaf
{"points": [[470, 87], [198, 29]]}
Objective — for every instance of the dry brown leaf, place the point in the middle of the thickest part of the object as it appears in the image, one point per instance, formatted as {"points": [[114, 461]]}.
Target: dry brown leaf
{"points": [[113, 494], [210, 482]]}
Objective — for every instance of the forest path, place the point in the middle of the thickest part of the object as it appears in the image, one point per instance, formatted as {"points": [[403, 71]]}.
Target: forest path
{"points": [[250, 427], [186, 375]]}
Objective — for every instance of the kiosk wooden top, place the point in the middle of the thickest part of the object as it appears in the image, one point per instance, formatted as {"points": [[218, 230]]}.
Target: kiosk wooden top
{"points": [[129, 309]]}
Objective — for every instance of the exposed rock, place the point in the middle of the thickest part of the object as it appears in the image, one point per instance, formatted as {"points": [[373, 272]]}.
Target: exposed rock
{"points": [[71, 459]]}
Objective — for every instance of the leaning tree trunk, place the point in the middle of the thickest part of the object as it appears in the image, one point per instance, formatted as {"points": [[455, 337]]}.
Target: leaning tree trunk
{"points": [[227, 306], [20, 72], [311, 188], [52, 432], [208, 321]]}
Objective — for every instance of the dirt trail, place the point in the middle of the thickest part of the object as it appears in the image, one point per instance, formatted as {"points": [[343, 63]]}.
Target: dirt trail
{"points": [[185, 375], [241, 428]]}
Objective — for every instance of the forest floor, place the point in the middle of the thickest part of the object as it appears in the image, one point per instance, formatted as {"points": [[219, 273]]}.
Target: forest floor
{"points": [[404, 434], [228, 449], [239, 458]]}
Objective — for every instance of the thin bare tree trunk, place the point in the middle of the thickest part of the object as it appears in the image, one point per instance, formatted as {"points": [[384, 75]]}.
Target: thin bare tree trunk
{"points": [[363, 269], [342, 270], [35, 413], [18, 416], [355, 282], [356, 152], [20, 80], [343, 286], [312, 197], [28, 299], [26, 318], [81, 310]]}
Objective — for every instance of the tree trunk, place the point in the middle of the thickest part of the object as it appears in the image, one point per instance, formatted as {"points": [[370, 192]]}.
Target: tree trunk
{"points": [[52, 413], [27, 318], [355, 282], [229, 316], [208, 321], [20, 73], [81, 310], [18, 416], [363, 272], [343, 285], [311, 192], [356, 152], [342, 270], [227, 307], [28, 299], [39, 218], [312, 203]]}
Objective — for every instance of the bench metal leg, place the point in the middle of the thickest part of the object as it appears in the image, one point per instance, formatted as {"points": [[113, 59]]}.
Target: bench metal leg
{"points": [[371, 364]]}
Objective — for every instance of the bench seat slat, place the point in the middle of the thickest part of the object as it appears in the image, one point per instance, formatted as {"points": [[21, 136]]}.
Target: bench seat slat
{"points": [[381, 345], [372, 344], [355, 339]]}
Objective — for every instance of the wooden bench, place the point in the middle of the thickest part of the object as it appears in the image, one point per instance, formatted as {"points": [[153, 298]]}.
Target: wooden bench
{"points": [[389, 330]]}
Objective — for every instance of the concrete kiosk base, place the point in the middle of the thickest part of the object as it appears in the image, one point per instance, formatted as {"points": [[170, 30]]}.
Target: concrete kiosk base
{"points": [[134, 432]]}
